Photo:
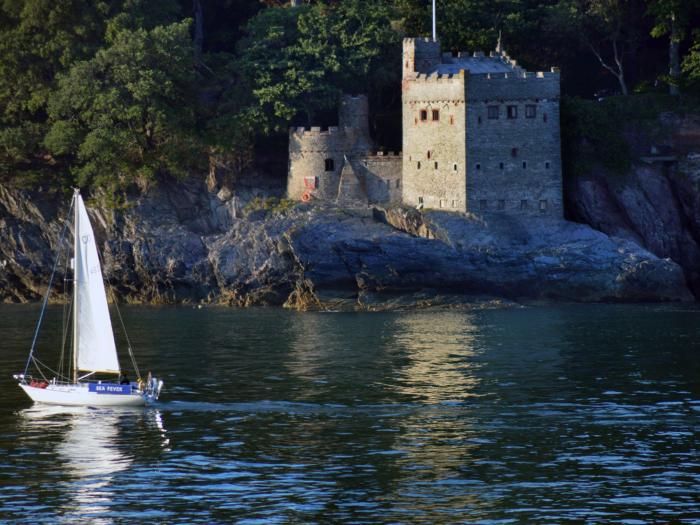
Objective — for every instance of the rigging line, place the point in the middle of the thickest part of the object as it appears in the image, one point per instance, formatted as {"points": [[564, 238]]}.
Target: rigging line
{"points": [[48, 289], [65, 338], [67, 309], [126, 335], [119, 314], [40, 363]]}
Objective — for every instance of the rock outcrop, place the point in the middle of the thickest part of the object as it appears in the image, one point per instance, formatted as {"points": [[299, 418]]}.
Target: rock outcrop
{"points": [[188, 243], [656, 204]]}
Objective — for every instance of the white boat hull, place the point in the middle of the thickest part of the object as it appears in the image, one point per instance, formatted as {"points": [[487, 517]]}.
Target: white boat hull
{"points": [[79, 395]]}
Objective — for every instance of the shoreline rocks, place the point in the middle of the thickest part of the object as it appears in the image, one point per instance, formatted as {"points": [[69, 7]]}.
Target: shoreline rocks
{"points": [[181, 242]]}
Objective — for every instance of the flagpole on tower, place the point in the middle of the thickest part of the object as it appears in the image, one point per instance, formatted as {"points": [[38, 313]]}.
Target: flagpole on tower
{"points": [[434, 28]]}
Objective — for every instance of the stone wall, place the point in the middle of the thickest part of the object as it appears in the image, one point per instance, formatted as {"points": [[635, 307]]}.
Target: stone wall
{"points": [[514, 164], [434, 173], [382, 173]]}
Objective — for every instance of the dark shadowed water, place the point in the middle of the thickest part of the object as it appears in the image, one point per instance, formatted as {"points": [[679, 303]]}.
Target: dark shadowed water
{"points": [[563, 414]]}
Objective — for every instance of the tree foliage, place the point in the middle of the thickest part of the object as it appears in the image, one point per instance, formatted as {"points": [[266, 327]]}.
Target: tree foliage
{"points": [[105, 93], [128, 112]]}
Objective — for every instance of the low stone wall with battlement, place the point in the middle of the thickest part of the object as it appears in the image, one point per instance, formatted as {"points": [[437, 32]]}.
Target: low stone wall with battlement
{"points": [[382, 172]]}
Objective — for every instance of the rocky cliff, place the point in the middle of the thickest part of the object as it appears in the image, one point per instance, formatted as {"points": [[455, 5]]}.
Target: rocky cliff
{"points": [[656, 203], [193, 243]]}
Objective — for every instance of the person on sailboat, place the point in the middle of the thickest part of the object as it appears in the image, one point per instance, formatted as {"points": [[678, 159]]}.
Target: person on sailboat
{"points": [[124, 379]]}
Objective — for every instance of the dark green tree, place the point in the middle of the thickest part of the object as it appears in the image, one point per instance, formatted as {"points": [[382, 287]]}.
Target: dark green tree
{"points": [[130, 112]]}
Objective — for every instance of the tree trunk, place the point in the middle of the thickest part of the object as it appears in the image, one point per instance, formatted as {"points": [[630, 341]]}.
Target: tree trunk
{"points": [[198, 28], [674, 59]]}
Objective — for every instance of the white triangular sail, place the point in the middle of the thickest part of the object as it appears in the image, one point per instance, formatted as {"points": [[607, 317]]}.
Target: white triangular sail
{"points": [[96, 349]]}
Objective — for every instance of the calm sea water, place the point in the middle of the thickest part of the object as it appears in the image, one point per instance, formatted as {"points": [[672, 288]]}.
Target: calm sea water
{"points": [[563, 414]]}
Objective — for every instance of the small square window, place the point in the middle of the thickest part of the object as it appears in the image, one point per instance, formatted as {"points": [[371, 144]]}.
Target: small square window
{"points": [[311, 183], [436, 114], [501, 205], [493, 112], [478, 166], [512, 112], [501, 166], [330, 165], [523, 205], [483, 205], [424, 114], [547, 165], [530, 111]]}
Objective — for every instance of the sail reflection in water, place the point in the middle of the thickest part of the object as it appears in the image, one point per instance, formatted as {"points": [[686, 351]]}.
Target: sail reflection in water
{"points": [[92, 450]]}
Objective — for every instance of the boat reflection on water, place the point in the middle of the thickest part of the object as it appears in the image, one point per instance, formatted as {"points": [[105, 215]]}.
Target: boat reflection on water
{"points": [[93, 446]]}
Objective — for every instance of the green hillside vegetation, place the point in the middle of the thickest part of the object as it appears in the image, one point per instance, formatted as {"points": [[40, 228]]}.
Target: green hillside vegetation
{"points": [[116, 94]]}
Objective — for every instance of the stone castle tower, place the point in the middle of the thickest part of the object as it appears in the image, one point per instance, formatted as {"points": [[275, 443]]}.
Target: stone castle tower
{"points": [[339, 163], [480, 134]]}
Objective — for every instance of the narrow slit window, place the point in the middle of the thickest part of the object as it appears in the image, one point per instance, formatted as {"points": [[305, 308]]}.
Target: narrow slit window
{"points": [[524, 164], [544, 118], [452, 119], [543, 206], [330, 165], [428, 154], [479, 119], [454, 167], [436, 114], [418, 165], [478, 166], [436, 165], [547, 165], [398, 183], [501, 165], [512, 112]]}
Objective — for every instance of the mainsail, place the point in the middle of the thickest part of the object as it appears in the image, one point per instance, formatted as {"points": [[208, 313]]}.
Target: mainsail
{"points": [[96, 351]]}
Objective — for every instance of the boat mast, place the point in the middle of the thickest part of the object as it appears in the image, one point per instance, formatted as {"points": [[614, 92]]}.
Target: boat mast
{"points": [[76, 238]]}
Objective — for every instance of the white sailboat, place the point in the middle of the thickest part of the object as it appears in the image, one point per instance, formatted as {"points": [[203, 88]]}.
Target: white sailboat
{"points": [[94, 352]]}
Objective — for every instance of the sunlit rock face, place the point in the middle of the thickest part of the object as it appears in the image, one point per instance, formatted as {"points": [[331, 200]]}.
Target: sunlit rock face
{"points": [[184, 243]]}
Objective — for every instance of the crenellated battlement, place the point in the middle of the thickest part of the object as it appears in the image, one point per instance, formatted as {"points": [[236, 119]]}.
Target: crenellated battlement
{"points": [[313, 131], [384, 155], [440, 77]]}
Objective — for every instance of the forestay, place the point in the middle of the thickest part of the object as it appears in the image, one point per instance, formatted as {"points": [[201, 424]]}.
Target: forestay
{"points": [[96, 349]]}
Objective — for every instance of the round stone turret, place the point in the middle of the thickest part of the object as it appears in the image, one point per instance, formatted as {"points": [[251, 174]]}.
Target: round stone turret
{"points": [[354, 113]]}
